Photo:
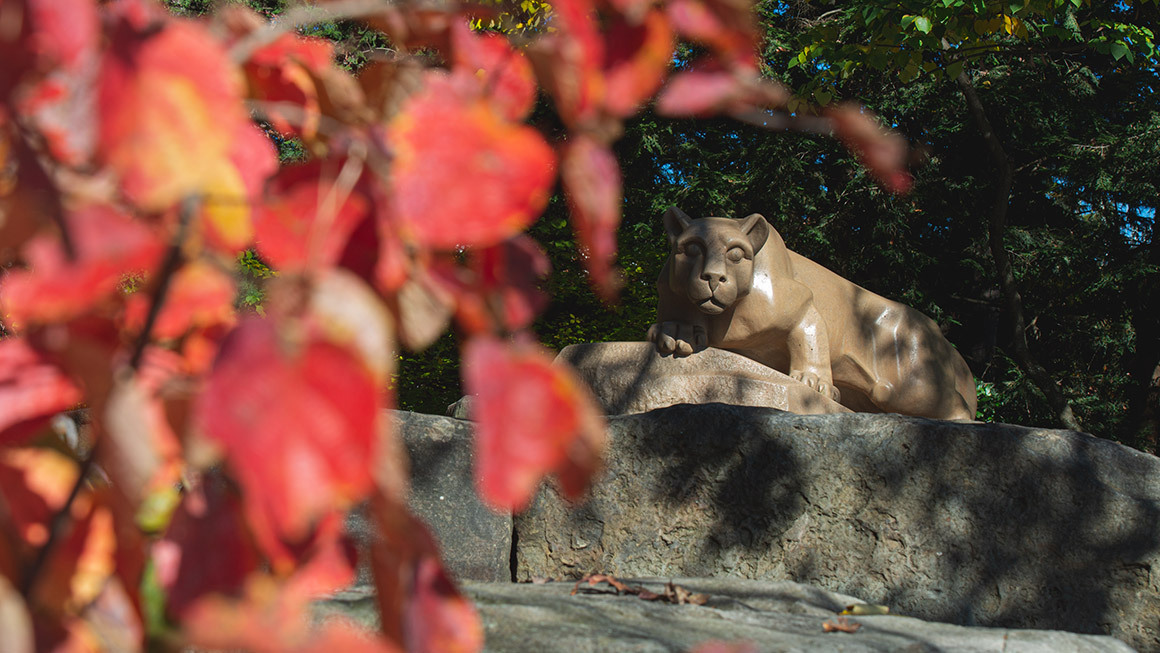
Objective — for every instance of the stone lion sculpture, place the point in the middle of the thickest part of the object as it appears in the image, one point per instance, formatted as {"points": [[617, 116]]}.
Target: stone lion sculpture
{"points": [[732, 284]]}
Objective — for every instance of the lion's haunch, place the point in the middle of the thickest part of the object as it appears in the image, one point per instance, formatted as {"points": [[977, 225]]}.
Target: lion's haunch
{"points": [[732, 284]]}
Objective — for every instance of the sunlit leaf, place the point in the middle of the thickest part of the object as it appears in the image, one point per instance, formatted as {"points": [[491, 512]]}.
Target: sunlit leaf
{"points": [[32, 390], [108, 246], [462, 175], [308, 215], [297, 420], [200, 295], [170, 104], [560, 428], [501, 70]]}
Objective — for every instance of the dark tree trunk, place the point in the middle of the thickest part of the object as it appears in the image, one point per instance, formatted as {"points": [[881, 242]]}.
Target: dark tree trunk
{"points": [[996, 225], [1142, 425]]}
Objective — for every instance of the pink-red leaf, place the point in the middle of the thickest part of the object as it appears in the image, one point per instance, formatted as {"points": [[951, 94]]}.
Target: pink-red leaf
{"points": [[308, 217], [636, 58], [32, 390], [298, 421], [503, 72], [108, 246], [592, 183], [462, 175], [560, 428], [882, 151]]}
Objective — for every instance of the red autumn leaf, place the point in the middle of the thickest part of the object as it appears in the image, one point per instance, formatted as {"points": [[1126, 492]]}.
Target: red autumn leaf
{"points": [[226, 206], [726, 26], [560, 429], [298, 422], [171, 110], [700, 92], [568, 62], [439, 618], [882, 151], [108, 245], [281, 73], [200, 295], [206, 547], [462, 175], [503, 72], [58, 97], [592, 183], [308, 216], [636, 59], [498, 289], [419, 606], [32, 390]]}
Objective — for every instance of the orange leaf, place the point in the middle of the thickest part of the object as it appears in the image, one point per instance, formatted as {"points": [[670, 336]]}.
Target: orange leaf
{"points": [[200, 295], [502, 71], [560, 428], [882, 151], [307, 218], [298, 421], [170, 103], [32, 390], [281, 73], [462, 175], [635, 61], [108, 245], [592, 183]]}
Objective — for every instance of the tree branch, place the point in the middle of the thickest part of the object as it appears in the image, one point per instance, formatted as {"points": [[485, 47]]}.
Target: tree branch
{"points": [[996, 226]]}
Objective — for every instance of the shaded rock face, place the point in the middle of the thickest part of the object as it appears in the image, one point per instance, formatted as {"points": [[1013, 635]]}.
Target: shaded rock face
{"points": [[631, 377], [970, 524], [785, 616], [476, 543]]}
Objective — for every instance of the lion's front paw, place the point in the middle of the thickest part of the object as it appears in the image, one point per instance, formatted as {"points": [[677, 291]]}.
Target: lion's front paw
{"points": [[813, 380], [678, 338]]}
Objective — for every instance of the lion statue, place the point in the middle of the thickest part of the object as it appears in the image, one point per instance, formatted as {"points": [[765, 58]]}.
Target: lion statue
{"points": [[732, 284]]}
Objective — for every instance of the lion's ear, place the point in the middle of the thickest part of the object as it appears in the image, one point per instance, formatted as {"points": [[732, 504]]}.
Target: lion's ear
{"points": [[675, 223], [755, 226]]}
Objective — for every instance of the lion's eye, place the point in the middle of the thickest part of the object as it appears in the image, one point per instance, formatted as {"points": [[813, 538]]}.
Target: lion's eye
{"points": [[735, 254], [691, 249]]}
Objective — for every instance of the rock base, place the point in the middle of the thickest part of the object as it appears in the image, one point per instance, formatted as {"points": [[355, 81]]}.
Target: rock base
{"points": [[631, 377], [527, 618]]}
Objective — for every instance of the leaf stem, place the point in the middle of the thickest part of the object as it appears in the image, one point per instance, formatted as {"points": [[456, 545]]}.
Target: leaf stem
{"points": [[164, 277]]}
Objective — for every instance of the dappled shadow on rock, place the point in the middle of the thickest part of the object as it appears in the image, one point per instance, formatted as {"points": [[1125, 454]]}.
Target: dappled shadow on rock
{"points": [[966, 523]]}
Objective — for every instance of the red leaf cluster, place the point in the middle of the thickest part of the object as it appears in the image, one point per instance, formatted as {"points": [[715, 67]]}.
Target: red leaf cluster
{"points": [[216, 452]]}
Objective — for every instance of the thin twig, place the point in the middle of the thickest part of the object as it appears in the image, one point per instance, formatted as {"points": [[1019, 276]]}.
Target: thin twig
{"points": [[55, 527], [164, 276], [60, 517]]}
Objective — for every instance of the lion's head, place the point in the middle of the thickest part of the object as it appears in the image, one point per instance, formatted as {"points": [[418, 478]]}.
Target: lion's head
{"points": [[711, 260]]}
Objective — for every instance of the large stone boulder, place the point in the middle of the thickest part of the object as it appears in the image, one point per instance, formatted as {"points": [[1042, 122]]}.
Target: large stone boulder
{"points": [[631, 377], [972, 524], [475, 541], [785, 616]]}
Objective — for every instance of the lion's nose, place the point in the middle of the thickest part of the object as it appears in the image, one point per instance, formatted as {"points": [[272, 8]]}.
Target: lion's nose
{"points": [[714, 279]]}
